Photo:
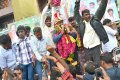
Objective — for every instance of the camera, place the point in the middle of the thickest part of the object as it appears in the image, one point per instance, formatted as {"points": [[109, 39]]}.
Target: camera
{"points": [[118, 29], [98, 73], [65, 30], [116, 55]]}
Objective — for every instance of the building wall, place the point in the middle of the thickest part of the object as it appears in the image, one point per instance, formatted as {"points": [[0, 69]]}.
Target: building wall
{"points": [[6, 13], [25, 8]]}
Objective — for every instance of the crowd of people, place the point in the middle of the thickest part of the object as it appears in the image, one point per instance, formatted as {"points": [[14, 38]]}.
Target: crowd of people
{"points": [[82, 49]]}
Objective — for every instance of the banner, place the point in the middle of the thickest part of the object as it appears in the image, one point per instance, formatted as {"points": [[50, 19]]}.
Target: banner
{"points": [[25, 8], [118, 1], [92, 5], [31, 21]]}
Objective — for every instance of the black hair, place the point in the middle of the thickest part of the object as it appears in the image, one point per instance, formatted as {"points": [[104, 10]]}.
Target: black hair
{"points": [[20, 27], [92, 3], [48, 18], [85, 11], [107, 57], [37, 29], [90, 67], [106, 21], [27, 28], [75, 69], [19, 67], [70, 19], [110, 10], [5, 38]]}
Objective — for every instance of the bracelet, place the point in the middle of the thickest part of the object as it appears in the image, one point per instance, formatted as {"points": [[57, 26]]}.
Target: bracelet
{"points": [[56, 61]]}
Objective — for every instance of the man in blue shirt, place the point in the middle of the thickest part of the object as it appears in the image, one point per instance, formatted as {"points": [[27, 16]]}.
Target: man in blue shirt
{"points": [[107, 63], [39, 45], [7, 54]]}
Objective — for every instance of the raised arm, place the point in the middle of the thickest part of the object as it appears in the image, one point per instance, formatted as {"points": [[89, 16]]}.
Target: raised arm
{"points": [[59, 65], [112, 32], [76, 11], [55, 54], [52, 19], [44, 15], [56, 38], [101, 10]]}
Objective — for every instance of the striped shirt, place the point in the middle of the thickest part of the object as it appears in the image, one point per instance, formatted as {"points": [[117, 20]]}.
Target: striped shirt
{"points": [[23, 51]]}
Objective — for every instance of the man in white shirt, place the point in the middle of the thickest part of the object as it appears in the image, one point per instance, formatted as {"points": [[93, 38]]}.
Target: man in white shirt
{"points": [[39, 45], [46, 25], [91, 30], [111, 32]]}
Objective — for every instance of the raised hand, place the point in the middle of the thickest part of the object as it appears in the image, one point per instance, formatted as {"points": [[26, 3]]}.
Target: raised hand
{"points": [[49, 2], [50, 49], [105, 75]]}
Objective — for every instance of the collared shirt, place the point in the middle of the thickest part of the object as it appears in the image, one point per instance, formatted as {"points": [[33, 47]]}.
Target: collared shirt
{"points": [[90, 38], [24, 51], [112, 43], [47, 31], [39, 47], [7, 58]]}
